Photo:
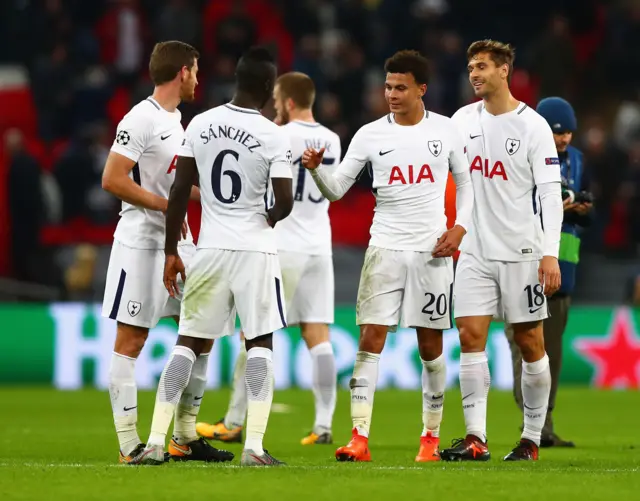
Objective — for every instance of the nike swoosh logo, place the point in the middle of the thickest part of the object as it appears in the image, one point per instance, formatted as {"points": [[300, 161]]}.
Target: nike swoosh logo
{"points": [[197, 398], [165, 137], [533, 408], [186, 451], [467, 396], [533, 310], [127, 409], [434, 319], [473, 137], [383, 153], [437, 397]]}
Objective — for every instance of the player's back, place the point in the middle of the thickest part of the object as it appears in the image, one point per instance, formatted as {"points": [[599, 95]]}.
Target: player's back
{"points": [[410, 166], [236, 150], [508, 155], [150, 136], [308, 229]]}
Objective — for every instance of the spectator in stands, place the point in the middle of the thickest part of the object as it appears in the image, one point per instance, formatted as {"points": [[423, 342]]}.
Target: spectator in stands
{"points": [[178, 20]]}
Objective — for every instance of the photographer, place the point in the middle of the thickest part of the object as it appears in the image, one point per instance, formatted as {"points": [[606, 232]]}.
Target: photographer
{"points": [[578, 204]]}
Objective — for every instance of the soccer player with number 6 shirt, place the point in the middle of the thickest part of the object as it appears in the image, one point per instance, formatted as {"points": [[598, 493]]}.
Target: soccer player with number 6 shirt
{"points": [[407, 276], [509, 259]]}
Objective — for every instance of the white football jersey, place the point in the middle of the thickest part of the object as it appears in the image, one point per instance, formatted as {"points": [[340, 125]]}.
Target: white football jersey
{"points": [[410, 166], [150, 136], [237, 151], [307, 229], [509, 155]]}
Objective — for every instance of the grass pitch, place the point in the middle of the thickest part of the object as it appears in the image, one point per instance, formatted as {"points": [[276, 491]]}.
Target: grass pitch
{"points": [[58, 445]]}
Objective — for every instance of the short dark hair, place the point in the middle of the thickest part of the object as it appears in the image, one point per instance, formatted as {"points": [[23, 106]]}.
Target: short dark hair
{"points": [[298, 87], [255, 70], [500, 53], [168, 58], [409, 61]]}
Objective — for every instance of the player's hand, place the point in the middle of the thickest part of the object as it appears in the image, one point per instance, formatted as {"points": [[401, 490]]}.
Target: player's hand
{"points": [[549, 275], [449, 242], [172, 266], [311, 158], [567, 205], [583, 209], [184, 230]]}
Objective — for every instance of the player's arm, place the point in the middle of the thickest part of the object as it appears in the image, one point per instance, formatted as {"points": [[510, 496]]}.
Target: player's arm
{"points": [[195, 193], [334, 183], [131, 140], [116, 180], [450, 240], [281, 179], [545, 166]]}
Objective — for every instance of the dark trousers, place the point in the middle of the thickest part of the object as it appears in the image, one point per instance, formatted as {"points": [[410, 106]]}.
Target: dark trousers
{"points": [[554, 327]]}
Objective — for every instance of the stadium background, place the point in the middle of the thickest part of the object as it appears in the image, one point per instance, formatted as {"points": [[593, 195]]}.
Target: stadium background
{"points": [[69, 71]]}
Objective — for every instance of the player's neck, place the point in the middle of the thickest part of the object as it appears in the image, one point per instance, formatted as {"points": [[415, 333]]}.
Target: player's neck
{"points": [[167, 97], [301, 116], [242, 100], [501, 102], [413, 117]]}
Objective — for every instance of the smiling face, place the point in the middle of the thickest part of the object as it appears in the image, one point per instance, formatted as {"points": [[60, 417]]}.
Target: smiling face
{"points": [[485, 76], [403, 93]]}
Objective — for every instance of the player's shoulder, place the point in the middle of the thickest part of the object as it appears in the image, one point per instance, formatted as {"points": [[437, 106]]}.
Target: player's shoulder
{"points": [[531, 118], [438, 120], [467, 111], [145, 112], [382, 124]]}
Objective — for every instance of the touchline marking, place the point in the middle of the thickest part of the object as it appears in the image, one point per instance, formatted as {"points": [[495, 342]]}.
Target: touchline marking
{"points": [[350, 466]]}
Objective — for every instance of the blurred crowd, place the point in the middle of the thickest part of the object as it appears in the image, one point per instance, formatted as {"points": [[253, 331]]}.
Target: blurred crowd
{"points": [[86, 63]]}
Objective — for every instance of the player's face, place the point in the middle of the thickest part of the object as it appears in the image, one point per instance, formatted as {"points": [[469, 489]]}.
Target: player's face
{"points": [[485, 76], [562, 140], [189, 82], [279, 103], [403, 93]]}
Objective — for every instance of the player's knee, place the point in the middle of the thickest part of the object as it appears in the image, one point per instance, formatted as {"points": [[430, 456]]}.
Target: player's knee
{"points": [[130, 340], [208, 346], [314, 334], [372, 338], [265, 341], [472, 338], [429, 344], [530, 340]]}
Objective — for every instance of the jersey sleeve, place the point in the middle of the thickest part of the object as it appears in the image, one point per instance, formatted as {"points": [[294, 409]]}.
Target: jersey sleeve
{"points": [[542, 154], [458, 162], [186, 148], [357, 156], [132, 136], [280, 156]]}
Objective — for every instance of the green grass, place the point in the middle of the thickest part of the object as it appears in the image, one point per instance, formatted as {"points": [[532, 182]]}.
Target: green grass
{"points": [[58, 445]]}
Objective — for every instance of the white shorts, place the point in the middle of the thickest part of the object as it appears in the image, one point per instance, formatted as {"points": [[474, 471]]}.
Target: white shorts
{"points": [[406, 287], [505, 290], [134, 293], [308, 287], [221, 282]]}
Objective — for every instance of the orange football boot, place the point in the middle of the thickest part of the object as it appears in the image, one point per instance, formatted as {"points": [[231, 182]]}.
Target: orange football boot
{"points": [[356, 450], [428, 449]]}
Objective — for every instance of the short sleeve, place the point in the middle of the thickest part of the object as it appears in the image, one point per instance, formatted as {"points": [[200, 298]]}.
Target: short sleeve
{"points": [[186, 148], [357, 155], [132, 136], [457, 157], [280, 156], [543, 155]]}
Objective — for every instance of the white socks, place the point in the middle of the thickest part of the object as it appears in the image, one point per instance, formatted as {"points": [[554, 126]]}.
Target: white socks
{"points": [[238, 404], [536, 386], [434, 374], [173, 382], [363, 387], [259, 383], [184, 425], [124, 401], [323, 365], [475, 381]]}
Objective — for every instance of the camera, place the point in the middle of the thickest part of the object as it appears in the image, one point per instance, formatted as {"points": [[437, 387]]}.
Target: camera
{"points": [[582, 197]]}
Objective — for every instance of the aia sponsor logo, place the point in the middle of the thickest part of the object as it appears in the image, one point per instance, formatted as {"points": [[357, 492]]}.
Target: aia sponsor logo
{"points": [[411, 175], [488, 170]]}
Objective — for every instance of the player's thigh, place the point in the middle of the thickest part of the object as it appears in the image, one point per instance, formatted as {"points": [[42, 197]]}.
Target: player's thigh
{"points": [[428, 292], [256, 283], [207, 310], [292, 269], [476, 292], [172, 306], [134, 292], [381, 287], [313, 302], [523, 298]]}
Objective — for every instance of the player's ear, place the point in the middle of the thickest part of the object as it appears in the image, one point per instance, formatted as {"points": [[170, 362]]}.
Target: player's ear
{"points": [[423, 90]]}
